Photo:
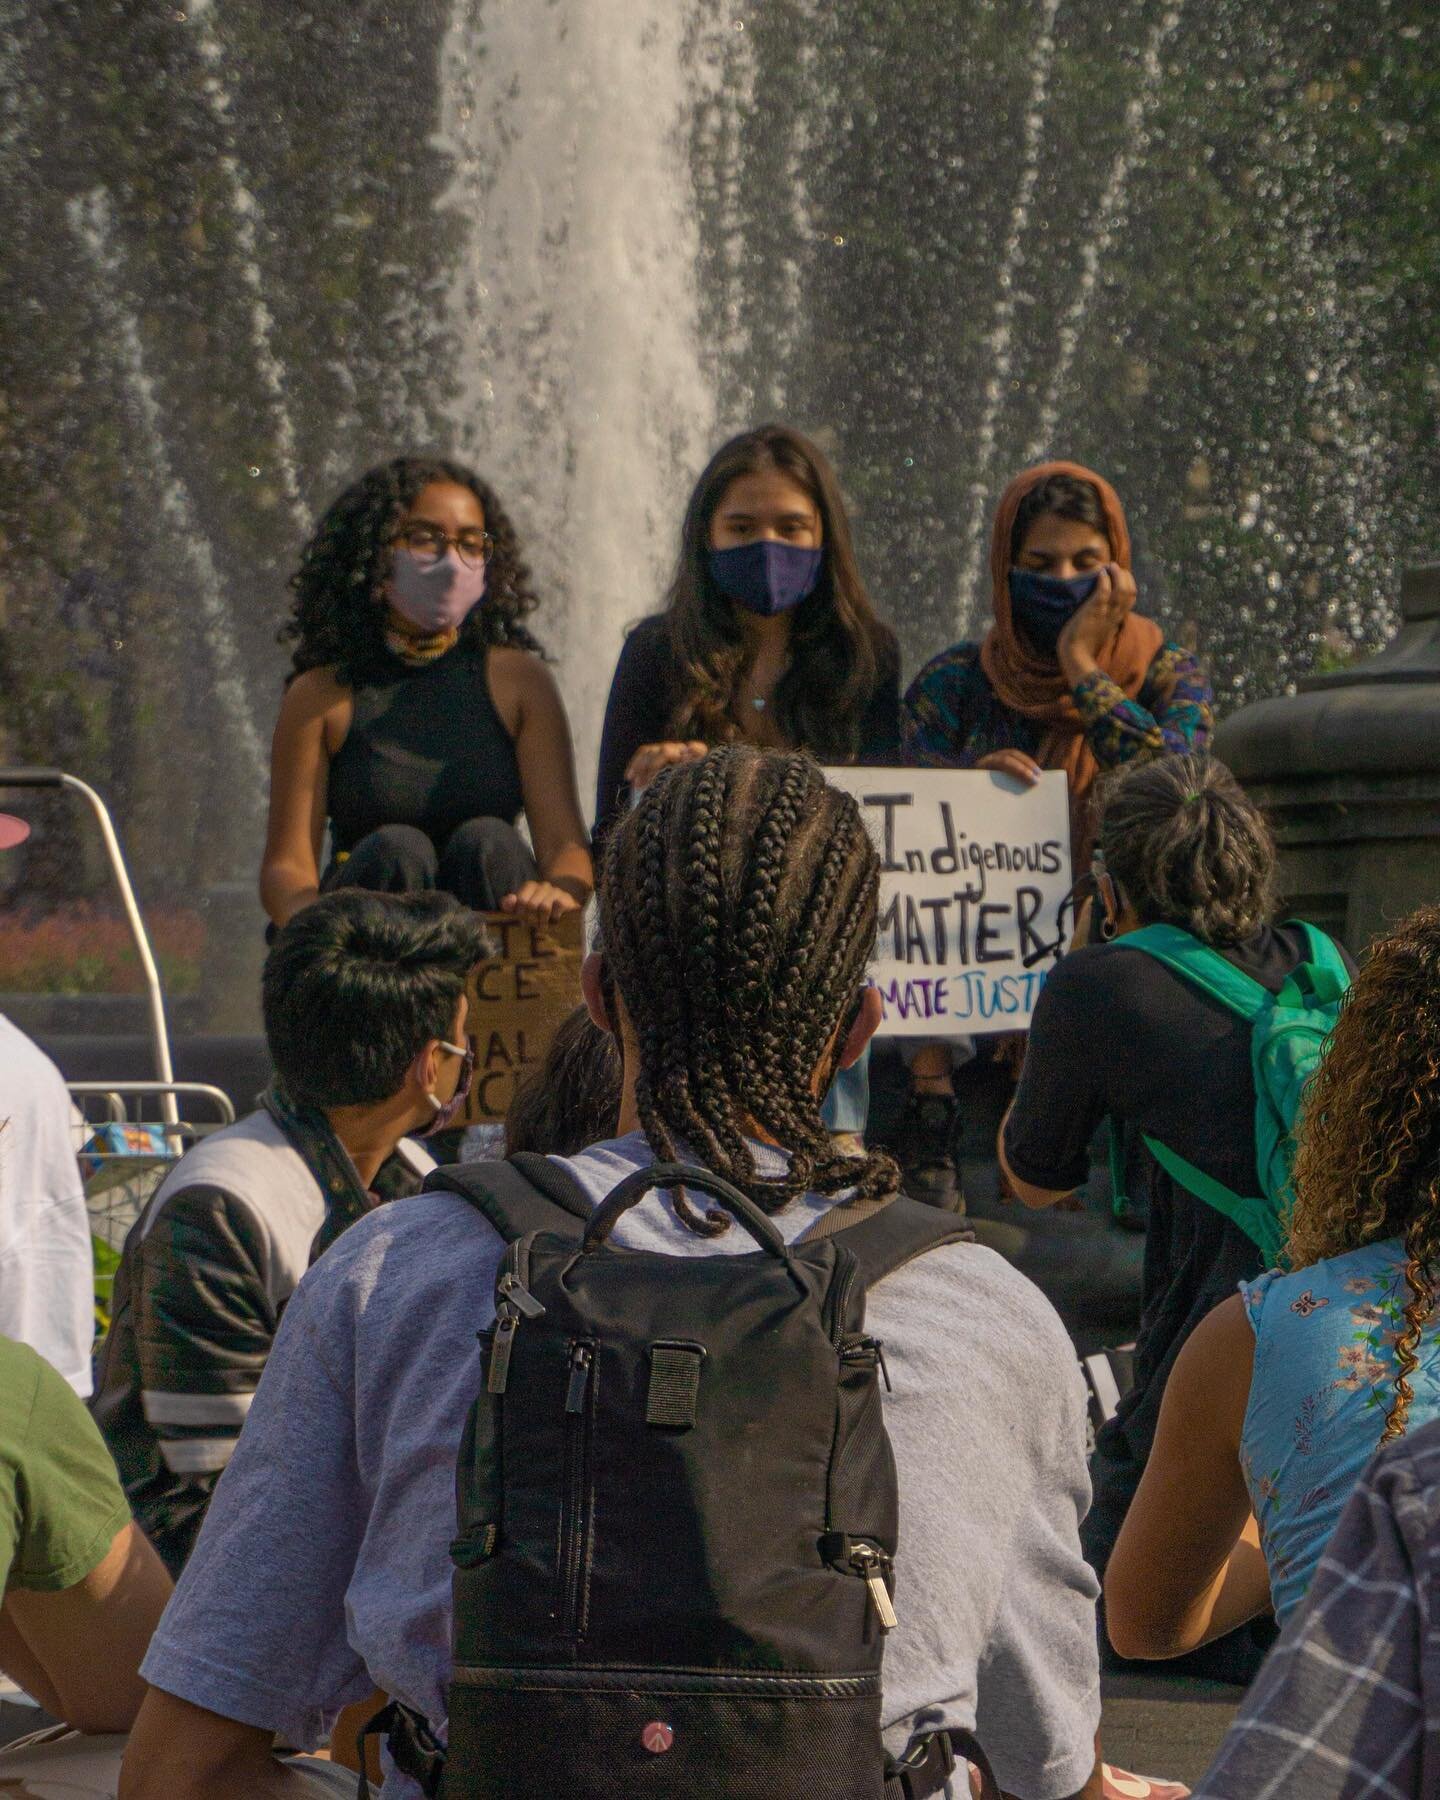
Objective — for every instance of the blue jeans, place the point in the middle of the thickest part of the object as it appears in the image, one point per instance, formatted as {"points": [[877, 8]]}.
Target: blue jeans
{"points": [[847, 1105]]}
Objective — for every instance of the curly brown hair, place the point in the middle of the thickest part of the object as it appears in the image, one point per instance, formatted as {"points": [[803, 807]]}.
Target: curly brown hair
{"points": [[337, 620], [1367, 1164]]}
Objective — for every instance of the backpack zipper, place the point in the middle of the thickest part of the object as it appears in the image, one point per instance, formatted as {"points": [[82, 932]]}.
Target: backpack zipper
{"points": [[575, 1518], [514, 1302], [872, 1568]]}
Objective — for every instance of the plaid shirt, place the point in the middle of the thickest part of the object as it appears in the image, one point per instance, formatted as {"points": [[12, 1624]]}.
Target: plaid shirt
{"points": [[1348, 1702]]}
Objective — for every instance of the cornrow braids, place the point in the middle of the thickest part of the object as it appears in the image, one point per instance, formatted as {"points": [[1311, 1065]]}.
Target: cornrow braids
{"points": [[738, 913], [337, 619]]}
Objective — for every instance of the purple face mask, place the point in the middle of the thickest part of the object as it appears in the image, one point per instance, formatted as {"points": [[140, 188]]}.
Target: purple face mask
{"points": [[434, 596], [766, 577], [448, 1111]]}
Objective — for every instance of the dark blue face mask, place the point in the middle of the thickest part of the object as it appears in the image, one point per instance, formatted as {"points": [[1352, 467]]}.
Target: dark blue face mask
{"points": [[766, 577], [1041, 606]]}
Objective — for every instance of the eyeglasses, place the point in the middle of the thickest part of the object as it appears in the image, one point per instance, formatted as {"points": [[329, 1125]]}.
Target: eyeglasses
{"points": [[428, 543]]}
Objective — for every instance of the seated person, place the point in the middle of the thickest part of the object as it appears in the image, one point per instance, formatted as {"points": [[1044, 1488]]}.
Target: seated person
{"points": [[1119, 1034], [1276, 1403], [1343, 1706], [571, 1098], [1068, 675], [82, 1589], [357, 1426], [47, 1269], [421, 719], [364, 1004]]}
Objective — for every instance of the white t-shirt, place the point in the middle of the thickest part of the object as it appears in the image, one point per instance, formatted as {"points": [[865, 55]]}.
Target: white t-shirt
{"points": [[47, 1277], [322, 1569]]}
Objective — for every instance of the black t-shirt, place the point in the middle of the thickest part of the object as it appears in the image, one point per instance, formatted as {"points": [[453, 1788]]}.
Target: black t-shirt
{"points": [[1117, 1034], [643, 697]]}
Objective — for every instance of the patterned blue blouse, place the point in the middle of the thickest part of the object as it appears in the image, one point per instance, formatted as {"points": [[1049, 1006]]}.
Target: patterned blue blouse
{"points": [[951, 716], [1324, 1380]]}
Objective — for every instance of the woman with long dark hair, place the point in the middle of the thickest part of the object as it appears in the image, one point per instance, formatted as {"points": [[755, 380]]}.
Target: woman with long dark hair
{"points": [[420, 719], [768, 635], [1279, 1399]]}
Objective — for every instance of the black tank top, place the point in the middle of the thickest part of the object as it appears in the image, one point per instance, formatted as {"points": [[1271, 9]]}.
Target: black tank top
{"points": [[426, 748]]}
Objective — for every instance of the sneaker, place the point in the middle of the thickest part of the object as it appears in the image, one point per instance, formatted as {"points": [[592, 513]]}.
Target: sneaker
{"points": [[923, 1150], [1120, 1784]]}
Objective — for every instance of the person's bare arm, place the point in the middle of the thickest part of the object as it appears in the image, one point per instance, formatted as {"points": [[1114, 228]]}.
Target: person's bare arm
{"points": [[182, 1752], [313, 717], [1187, 1566], [345, 1736], [546, 758], [1034, 1197], [78, 1652]]}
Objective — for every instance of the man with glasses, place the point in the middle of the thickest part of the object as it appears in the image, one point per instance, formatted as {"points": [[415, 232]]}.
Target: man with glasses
{"points": [[365, 1013]]}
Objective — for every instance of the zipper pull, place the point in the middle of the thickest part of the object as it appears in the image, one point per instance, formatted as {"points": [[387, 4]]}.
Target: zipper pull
{"points": [[519, 1296], [866, 1561], [500, 1350], [880, 1359], [581, 1357]]}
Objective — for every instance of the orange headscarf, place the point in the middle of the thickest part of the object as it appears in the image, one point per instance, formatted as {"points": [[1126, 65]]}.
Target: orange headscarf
{"points": [[1036, 686]]}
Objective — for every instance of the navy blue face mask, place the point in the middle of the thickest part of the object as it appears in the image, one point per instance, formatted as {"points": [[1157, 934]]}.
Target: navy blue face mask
{"points": [[766, 577], [1041, 606]]}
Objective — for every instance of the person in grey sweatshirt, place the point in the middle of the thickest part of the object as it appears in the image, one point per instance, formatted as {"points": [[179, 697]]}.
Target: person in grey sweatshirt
{"points": [[322, 1571]]}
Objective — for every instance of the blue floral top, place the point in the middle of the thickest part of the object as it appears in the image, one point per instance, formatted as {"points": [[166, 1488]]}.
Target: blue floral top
{"points": [[1324, 1380], [951, 716]]}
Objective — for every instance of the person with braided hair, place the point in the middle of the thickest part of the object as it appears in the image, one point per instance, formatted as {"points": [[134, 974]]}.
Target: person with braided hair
{"points": [[420, 718], [738, 910], [1280, 1398]]}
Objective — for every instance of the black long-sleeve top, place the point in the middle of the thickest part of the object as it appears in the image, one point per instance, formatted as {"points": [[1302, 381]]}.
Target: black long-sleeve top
{"points": [[646, 690]]}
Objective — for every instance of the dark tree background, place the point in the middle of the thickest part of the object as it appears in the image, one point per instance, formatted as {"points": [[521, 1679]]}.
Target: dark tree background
{"points": [[1222, 295]]}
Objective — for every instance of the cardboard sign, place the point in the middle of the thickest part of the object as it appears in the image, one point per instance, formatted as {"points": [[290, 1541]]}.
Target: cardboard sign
{"points": [[517, 1002], [975, 866]]}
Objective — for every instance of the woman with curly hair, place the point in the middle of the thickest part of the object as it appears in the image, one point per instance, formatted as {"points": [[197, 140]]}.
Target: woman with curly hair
{"points": [[1281, 1396], [421, 719]]}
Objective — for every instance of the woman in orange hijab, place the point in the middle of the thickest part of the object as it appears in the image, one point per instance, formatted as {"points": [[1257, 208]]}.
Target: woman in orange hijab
{"points": [[1068, 676]]}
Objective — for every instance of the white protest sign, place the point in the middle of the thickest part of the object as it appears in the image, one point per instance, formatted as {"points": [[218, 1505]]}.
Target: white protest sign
{"points": [[974, 867]]}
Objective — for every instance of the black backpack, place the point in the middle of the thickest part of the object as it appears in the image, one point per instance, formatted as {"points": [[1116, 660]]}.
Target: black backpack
{"points": [[677, 1511]]}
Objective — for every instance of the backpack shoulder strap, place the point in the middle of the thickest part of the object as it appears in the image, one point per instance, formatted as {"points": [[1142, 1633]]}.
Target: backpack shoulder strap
{"points": [[885, 1238], [1201, 966], [1329, 974], [524, 1194]]}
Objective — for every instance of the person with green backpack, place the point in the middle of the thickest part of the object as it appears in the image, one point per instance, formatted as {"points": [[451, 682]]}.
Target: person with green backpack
{"points": [[1191, 1023]]}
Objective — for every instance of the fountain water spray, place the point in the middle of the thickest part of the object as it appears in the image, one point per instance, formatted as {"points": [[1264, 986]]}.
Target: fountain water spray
{"points": [[246, 213], [583, 394], [1108, 219], [1000, 343], [92, 220]]}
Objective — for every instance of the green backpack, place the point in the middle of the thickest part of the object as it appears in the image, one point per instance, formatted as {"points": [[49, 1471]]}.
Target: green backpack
{"points": [[1288, 1031]]}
